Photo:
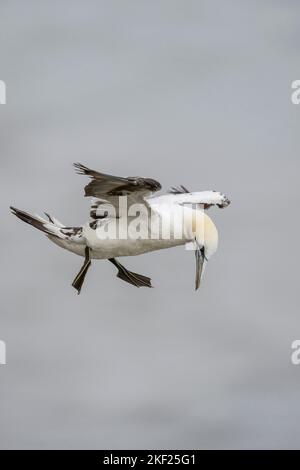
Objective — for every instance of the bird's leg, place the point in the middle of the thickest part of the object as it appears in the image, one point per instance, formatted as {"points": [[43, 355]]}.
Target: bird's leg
{"points": [[79, 279], [135, 279]]}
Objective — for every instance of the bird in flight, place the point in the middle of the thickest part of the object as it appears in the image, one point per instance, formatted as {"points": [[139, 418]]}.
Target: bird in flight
{"points": [[126, 219]]}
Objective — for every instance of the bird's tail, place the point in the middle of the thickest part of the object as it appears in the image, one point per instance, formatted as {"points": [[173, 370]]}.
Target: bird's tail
{"points": [[47, 226], [50, 226]]}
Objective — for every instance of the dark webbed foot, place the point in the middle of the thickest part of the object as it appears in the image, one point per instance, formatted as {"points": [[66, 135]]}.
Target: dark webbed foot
{"points": [[137, 280]]}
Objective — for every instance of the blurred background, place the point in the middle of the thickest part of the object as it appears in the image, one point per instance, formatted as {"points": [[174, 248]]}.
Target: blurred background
{"points": [[187, 92]]}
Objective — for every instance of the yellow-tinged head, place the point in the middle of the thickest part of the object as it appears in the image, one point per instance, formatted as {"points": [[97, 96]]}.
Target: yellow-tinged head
{"points": [[205, 233], [205, 237]]}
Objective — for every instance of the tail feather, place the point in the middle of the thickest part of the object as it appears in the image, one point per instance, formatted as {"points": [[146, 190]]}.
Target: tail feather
{"points": [[51, 227], [38, 222], [55, 221]]}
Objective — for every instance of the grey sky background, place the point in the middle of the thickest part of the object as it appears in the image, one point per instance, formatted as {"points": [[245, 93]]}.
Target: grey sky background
{"points": [[187, 92]]}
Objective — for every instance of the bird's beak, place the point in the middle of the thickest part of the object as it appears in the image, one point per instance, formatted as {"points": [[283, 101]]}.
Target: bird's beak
{"points": [[200, 266]]}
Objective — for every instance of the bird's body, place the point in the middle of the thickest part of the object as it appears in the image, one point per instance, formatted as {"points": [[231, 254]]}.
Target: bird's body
{"points": [[103, 247], [126, 220]]}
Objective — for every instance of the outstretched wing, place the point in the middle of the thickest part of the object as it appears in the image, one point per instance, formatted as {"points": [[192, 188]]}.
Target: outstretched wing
{"points": [[108, 188]]}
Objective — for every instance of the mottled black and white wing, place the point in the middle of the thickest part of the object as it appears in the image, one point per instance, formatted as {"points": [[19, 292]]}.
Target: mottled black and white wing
{"points": [[107, 190]]}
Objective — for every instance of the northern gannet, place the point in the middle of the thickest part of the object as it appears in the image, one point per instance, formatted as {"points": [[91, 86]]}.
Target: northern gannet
{"points": [[127, 220]]}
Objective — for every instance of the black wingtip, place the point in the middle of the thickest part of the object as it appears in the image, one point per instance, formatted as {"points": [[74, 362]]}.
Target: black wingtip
{"points": [[178, 190], [80, 169]]}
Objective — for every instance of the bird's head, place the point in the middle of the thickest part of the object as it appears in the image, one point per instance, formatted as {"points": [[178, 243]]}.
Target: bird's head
{"points": [[205, 241], [205, 233]]}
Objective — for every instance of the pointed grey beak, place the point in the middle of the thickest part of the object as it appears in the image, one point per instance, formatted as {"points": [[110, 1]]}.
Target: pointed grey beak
{"points": [[200, 264]]}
